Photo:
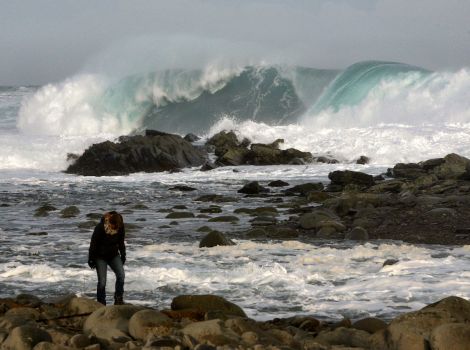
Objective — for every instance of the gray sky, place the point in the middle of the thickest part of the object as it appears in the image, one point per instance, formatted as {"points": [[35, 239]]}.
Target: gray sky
{"points": [[48, 40]]}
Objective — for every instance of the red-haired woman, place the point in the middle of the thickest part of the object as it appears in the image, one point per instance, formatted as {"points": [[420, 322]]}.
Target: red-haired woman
{"points": [[107, 248]]}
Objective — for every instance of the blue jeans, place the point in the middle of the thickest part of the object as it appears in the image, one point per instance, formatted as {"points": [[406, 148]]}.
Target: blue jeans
{"points": [[101, 269]]}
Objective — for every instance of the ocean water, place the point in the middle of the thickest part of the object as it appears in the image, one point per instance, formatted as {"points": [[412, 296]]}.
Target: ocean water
{"points": [[387, 111]]}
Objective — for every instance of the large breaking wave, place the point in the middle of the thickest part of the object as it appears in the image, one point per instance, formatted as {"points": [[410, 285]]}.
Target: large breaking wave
{"points": [[389, 111]]}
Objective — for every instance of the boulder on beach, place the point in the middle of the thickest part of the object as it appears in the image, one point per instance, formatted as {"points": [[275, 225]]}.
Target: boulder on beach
{"points": [[205, 303], [414, 329], [144, 322], [25, 338], [152, 152], [110, 322]]}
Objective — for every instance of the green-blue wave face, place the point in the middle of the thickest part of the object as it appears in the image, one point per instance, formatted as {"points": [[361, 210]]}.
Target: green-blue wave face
{"points": [[354, 84]]}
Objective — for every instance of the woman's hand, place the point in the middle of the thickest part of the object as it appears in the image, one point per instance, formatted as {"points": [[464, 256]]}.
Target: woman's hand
{"points": [[92, 264]]}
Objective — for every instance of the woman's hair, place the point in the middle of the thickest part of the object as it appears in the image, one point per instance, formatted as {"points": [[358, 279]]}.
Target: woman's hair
{"points": [[113, 222]]}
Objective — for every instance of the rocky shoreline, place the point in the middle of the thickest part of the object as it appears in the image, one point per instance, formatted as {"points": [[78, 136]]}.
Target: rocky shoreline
{"points": [[426, 202], [206, 322]]}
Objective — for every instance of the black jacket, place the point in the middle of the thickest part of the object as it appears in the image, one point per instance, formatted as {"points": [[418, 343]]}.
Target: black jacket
{"points": [[103, 246]]}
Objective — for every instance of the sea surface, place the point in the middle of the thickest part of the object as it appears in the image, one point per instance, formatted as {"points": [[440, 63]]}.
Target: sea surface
{"points": [[390, 112]]}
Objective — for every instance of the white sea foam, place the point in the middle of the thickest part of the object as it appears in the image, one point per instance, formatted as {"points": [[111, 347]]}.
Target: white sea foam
{"points": [[280, 279]]}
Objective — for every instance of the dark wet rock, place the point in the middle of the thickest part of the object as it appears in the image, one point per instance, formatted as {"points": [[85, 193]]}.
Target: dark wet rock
{"points": [[215, 238], [407, 171], [208, 166], [94, 216], [69, 212], [191, 138], [216, 198], [230, 151], [206, 303], [44, 210], [317, 218], [153, 152], [325, 159], [180, 207], [430, 164], [452, 166], [281, 233], [234, 156], [180, 215], [263, 221], [357, 234], [304, 189], [392, 186], [140, 206], [253, 188], [390, 262], [87, 225], [270, 211], [213, 209], [261, 154], [28, 300], [182, 188], [148, 132], [223, 141], [40, 233], [224, 218], [297, 161], [205, 229], [4, 205], [278, 183], [71, 157], [363, 160], [257, 232], [341, 178], [318, 196]]}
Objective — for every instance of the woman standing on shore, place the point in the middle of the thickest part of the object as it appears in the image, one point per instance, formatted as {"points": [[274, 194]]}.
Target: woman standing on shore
{"points": [[107, 247]]}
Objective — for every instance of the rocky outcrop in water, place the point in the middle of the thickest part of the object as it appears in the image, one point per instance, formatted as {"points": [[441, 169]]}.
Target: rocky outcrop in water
{"points": [[212, 322], [155, 151], [231, 151]]}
